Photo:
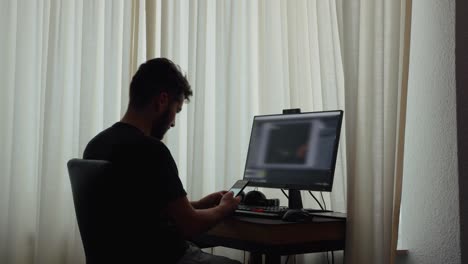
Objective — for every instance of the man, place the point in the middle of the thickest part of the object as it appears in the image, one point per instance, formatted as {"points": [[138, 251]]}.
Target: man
{"points": [[153, 215]]}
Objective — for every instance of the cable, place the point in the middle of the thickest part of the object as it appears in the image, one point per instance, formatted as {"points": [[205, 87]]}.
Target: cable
{"points": [[285, 193], [287, 258], [321, 207], [324, 204], [328, 260], [333, 258]]}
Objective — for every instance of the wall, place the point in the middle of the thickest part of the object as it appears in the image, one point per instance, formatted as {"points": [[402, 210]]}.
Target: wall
{"points": [[461, 54], [430, 211]]}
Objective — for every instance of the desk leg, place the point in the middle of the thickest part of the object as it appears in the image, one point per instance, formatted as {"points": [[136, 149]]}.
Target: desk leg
{"points": [[255, 258], [273, 259]]}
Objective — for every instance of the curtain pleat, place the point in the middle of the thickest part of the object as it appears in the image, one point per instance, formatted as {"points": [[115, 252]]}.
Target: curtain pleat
{"points": [[371, 45]]}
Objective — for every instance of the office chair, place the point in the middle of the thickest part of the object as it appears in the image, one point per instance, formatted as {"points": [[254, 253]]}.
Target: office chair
{"points": [[89, 179], [101, 201]]}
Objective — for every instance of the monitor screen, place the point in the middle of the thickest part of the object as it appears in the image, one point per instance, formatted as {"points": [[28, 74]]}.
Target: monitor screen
{"points": [[294, 151]]}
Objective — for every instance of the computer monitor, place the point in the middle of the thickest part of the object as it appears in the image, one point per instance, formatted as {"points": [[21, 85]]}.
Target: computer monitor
{"points": [[294, 151]]}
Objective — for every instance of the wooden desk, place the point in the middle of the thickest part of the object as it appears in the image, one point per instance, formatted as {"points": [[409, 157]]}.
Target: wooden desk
{"points": [[275, 238]]}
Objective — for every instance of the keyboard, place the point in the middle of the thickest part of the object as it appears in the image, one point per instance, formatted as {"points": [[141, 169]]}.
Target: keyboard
{"points": [[261, 211], [269, 211]]}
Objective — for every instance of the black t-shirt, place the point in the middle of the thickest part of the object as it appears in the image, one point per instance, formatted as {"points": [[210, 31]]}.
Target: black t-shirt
{"points": [[146, 180]]}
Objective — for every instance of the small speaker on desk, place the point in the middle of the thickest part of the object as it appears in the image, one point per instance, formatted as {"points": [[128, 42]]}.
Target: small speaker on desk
{"points": [[257, 198]]}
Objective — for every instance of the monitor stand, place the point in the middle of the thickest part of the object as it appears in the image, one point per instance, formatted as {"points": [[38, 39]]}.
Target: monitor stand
{"points": [[295, 199], [295, 202]]}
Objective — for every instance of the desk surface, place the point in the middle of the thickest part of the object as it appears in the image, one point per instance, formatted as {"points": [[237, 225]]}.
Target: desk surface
{"points": [[271, 236]]}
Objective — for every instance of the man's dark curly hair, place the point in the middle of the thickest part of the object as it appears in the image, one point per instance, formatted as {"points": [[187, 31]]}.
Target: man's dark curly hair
{"points": [[156, 76]]}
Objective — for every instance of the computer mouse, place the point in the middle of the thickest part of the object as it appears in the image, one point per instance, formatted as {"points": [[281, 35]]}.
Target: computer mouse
{"points": [[296, 215]]}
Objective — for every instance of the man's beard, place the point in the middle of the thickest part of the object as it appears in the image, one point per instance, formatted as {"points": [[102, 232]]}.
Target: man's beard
{"points": [[160, 126]]}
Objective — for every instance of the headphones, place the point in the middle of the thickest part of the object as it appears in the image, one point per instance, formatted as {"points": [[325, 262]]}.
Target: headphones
{"points": [[259, 199]]}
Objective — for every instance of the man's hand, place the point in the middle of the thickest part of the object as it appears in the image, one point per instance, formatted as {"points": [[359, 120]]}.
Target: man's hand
{"points": [[229, 202], [209, 201]]}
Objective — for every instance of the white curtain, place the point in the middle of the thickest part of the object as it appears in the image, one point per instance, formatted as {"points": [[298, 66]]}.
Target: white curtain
{"points": [[373, 46], [64, 77]]}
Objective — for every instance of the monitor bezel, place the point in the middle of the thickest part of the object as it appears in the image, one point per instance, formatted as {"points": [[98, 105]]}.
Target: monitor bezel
{"points": [[320, 188]]}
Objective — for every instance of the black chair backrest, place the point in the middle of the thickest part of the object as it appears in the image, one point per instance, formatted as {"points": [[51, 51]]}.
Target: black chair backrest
{"points": [[89, 181]]}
